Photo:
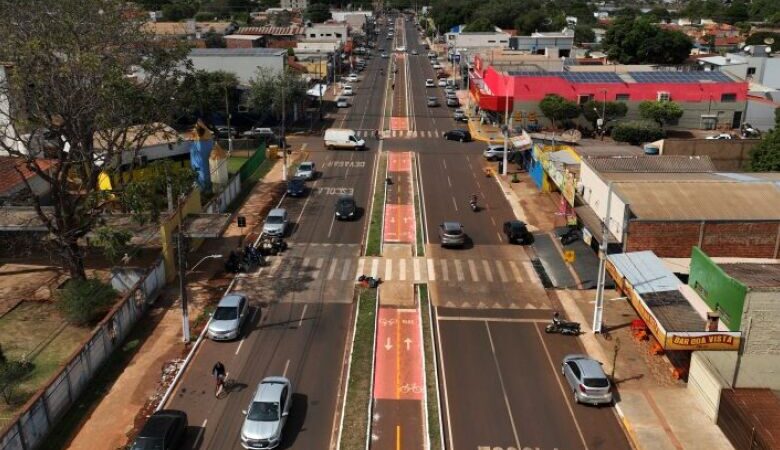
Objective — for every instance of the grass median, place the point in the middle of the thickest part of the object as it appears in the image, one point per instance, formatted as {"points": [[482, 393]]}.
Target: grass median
{"points": [[359, 390], [374, 239], [432, 391], [418, 216]]}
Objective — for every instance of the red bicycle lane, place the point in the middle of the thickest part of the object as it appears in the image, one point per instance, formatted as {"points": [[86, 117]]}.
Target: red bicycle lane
{"points": [[399, 220]]}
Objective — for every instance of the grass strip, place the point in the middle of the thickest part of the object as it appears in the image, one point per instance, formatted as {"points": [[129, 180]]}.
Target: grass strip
{"points": [[419, 216], [434, 430], [374, 239], [359, 390]]}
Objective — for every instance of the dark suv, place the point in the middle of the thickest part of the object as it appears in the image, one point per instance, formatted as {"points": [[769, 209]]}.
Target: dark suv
{"points": [[346, 208], [164, 430], [296, 187], [517, 232]]}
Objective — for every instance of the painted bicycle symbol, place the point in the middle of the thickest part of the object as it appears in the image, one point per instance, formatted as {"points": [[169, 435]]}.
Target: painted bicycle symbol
{"points": [[411, 388], [388, 322]]}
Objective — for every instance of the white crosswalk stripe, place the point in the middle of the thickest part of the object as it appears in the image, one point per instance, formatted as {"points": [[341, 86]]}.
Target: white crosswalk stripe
{"points": [[405, 134], [389, 269], [332, 270], [488, 273], [444, 270], [402, 270], [473, 271], [501, 271], [431, 271], [345, 270]]}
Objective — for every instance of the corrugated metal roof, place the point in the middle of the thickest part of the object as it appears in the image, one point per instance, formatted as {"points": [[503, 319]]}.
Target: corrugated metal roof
{"points": [[270, 30], [754, 275], [646, 272], [701, 200], [649, 164], [258, 51]]}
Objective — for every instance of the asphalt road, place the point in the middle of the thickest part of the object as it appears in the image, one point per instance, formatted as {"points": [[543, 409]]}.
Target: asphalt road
{"points": [[499, 372], [302, 303]]}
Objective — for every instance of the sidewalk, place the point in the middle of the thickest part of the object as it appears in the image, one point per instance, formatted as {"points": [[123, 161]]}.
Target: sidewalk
{"points": [[657, 411], [133, 393]]}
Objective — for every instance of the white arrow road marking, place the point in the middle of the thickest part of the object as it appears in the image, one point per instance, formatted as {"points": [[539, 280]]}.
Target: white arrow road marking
{"points": [[408, 343], [388, 345]]}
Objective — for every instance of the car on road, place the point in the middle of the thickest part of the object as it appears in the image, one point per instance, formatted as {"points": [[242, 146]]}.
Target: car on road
{"points": [[587, 379], [460, 115], [414, 52], [259, 133], [306, 170], [458, 135], [429, 83], [516, 232], [384, 55], [495, 152], [267, 414], [436, 66], [431, 54], [343, 138], [223, 132], [451, 234], [228, 318], [342, 102], [296, 187], [346, 208], [432, 101], [276, 222], [442, 82], [453, 101], [449, 89], [352, 78], [347, 90], [163, 430], [400, 49]]}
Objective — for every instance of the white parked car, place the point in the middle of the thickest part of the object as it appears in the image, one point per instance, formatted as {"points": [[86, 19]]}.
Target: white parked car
{"points": [[442, 82], [352, 78], [436, 66], [267, 414], [400, 49], [429, 83], [342, 102], [347, 90], [306, 170], [720, 136]]}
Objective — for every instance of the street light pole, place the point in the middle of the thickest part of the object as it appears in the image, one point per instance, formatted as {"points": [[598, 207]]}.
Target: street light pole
{"points": [[230, 131], [185, 314], [284, 120], [598, 311], [505, 169]]}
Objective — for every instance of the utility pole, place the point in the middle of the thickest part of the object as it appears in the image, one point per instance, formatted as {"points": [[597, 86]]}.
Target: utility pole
{"points": [[284, 120], [506, 126], [598, 311], [230, 131], [185, 315]]}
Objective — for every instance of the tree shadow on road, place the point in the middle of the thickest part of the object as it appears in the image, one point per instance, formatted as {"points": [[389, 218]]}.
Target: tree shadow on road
{"points": [[298, 411]]}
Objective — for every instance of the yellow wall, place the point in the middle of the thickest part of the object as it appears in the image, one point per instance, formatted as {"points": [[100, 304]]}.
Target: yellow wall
{"points": [[168, 227]]}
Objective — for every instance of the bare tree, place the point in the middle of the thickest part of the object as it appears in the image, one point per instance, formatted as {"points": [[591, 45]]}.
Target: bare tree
{"points": [[85, 86]]}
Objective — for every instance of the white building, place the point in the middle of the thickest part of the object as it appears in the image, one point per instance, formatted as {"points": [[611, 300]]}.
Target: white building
{"points": [[243, 62], [469, 40], [339, 31], [295, 4]]}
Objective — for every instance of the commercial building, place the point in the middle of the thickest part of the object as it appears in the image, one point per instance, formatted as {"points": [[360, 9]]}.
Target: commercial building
{"points": [[553, 45], [472, 40], [274, 37], [338, 31], [709, 100], [671, 211], [294, 4], [243, 62]]}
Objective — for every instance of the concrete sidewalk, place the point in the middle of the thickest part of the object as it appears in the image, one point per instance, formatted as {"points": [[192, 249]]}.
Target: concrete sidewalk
{"points": [[657, 411], [114, 419]]}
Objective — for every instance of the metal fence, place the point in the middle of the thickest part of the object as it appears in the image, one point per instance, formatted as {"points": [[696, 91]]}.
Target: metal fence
{"points": [[28, 429], [251, 165]]}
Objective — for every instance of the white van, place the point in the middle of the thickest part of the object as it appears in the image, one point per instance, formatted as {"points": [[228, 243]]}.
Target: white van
{"points": [[343, 138]]}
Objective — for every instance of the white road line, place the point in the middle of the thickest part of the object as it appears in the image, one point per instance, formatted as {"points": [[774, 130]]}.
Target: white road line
{"points": [[200, 434], [473, 271], [454, 203], [306, 262], [459, 270], [515, 271], [503, 387], [286, 366], [449, 182], [240, 343], [445, 274], [361, 264], [564, 393], [488, 273], [444, 163], [416, 268], [303, 314], [501, 272], [529, 270], [332, 270], [375, 267], [316, 273], [402, 269], [500, 238], [490, 319], [388, 269], [431, 271], [345, 270]]}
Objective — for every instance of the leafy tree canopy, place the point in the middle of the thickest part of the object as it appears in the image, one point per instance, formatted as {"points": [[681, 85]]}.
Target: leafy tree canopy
{"points": [[593, 110], [558, 109], [480, 24], [661, 112], [584, 34], [638, 41], [765, 156], [760, 37], [317, 13]]}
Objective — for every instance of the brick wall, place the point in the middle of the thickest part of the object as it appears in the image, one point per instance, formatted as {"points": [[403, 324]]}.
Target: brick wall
{"points": [[675, 239]]}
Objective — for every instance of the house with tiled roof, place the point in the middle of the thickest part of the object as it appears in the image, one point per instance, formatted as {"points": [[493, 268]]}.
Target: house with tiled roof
{"points": [[15, 177], [273, 36]]}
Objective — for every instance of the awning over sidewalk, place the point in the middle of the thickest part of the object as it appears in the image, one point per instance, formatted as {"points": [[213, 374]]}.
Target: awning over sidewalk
{"points": [[593, 223], [665, 304], [204, 225]]}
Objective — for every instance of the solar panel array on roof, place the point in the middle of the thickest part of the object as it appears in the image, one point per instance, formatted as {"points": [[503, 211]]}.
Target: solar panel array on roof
{"points": [[574, 77], [680, 77]]}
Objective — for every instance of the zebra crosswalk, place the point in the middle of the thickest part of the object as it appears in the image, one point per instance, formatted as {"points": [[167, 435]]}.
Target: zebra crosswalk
{"points": [[400, 134], [415, 269]]}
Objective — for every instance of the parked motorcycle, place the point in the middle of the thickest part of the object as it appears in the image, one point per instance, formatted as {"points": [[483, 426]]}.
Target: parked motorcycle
{"points": [[253, 257], [563, 327], [234, 264], [570, 236], [269, 245]]}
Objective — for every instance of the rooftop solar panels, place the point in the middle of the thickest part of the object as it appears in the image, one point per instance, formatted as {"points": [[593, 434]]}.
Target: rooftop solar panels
{"points": [[680, 77], [574, 77]]}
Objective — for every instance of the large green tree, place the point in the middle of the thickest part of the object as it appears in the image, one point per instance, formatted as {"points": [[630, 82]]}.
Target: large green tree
{"points": [[584, 34], [761, 37], [480, 24], [765, 156], [558, 109], [317, 13], [269, 90], [88, 77], [638, 41], [611, 111], [203, 93], [661, 112]]}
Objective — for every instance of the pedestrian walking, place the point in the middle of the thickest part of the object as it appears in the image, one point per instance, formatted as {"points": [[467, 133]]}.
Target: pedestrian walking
{"points": [[376, 134]]}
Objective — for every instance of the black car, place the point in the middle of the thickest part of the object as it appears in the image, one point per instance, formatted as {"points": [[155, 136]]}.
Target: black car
{"points": [[517, 232], [164, 430], [296, 187], [458, 135], [346, 208]]}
